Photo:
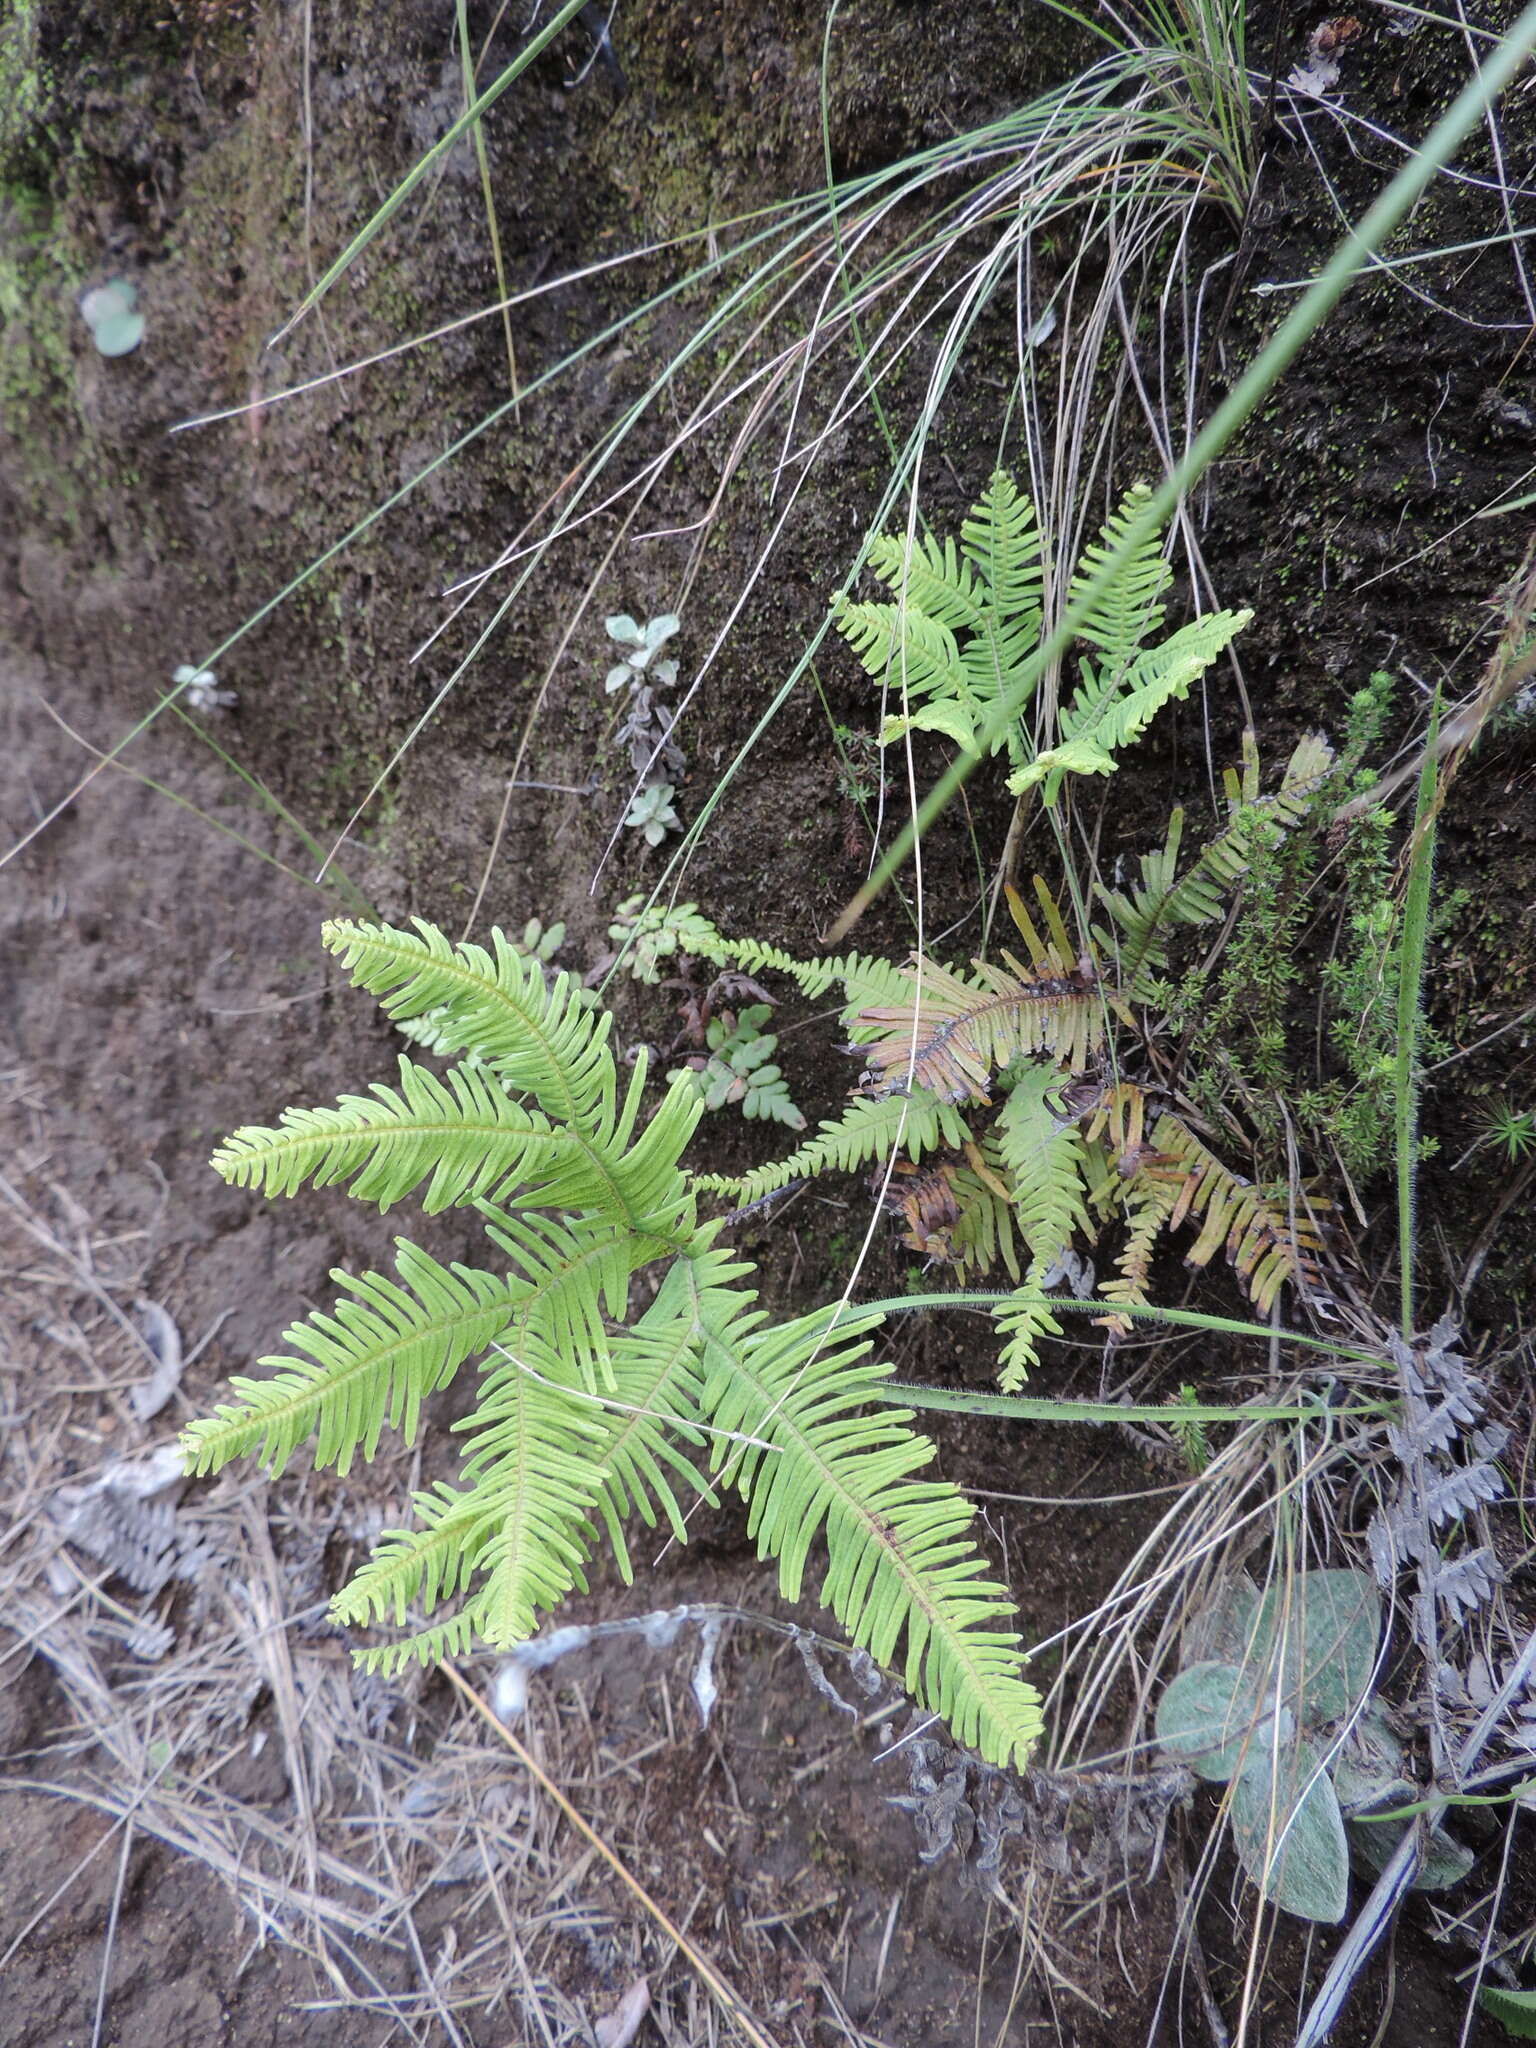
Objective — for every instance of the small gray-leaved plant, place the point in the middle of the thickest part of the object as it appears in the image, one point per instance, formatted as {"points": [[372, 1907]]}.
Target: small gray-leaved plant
{"points": [[200, 689], [738, 1068], [111, 311], [653, 814], [1280, 1706], [641, 644]]}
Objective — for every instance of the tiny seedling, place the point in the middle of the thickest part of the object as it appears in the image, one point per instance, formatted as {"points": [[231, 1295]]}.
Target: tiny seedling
{"points": [[1279, 1706], [111, 313], [200, 686], [653, 813]]}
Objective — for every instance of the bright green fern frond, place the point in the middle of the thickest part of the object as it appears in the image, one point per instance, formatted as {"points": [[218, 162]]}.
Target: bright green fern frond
{"points": [[542, 1038], [902, 1567], [518, 1524], [964, 623], [870, 1128], [1022, 1320], [461, 1133], [374, 1361], [1041, 1150], [1001, 539], [1131, 609], [1116, 702]]}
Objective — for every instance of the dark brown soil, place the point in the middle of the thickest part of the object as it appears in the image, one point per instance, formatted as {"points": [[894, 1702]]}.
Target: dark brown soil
{"points": [[160, 973]]}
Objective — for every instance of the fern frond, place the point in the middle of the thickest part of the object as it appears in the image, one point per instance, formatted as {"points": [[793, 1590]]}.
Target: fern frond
{"points": [[1116, 702], [902, 1567], [1147, 915], [989, 591], [462, 1134], [1130, 610], [870, 1128], [538, 1037], [985, 1231], [951, 1034], [1001, 540], [1042, 1153], [1148, 1206], [518, 1523], [1264, 1242], [1022, 1320], [374, 1361]]}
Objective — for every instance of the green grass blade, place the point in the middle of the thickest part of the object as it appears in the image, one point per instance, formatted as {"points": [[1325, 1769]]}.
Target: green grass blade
{"points": [[425, 165]]}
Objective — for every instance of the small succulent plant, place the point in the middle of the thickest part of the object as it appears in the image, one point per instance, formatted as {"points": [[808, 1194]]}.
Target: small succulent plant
{"points": [[1279, 1705], [111, 311], [641, 644], [652, 813]]}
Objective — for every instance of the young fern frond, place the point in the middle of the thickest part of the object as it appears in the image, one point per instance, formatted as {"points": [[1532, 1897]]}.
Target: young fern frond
{"points": [[959, 640], [990, 591], [903, 1573]]}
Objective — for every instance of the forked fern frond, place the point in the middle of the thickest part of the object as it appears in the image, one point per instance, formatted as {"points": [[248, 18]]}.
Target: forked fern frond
{"points": [[954, 644], [903, 1574], [515, 1530]]}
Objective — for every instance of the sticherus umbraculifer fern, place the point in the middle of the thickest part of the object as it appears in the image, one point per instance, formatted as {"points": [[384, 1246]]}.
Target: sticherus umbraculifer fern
{"points": [[957, 644], [1074, 1149], [599, 1399]]}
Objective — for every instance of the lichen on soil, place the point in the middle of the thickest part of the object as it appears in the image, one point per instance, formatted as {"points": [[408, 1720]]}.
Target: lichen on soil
{"points": [[162, 976]]}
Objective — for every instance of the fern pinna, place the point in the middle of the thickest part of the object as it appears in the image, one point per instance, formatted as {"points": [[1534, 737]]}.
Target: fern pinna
{"points": [[589, 1412]]}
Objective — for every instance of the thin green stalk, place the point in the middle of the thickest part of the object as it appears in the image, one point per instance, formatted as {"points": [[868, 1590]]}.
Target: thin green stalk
{"points": [[1041, 1408], [1139, 1311], [482, 159]]}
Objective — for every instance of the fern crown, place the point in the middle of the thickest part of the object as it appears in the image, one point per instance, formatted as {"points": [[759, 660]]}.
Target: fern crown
{"points": [[590, 1411]]}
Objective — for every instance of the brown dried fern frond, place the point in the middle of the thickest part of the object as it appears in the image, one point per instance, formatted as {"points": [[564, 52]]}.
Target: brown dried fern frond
{"points": [[1268, 1239]]}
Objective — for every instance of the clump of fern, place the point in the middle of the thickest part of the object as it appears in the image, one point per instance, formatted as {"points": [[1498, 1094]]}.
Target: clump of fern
{"points": [[998, 1093], [624, 1370], [956, 646]]}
